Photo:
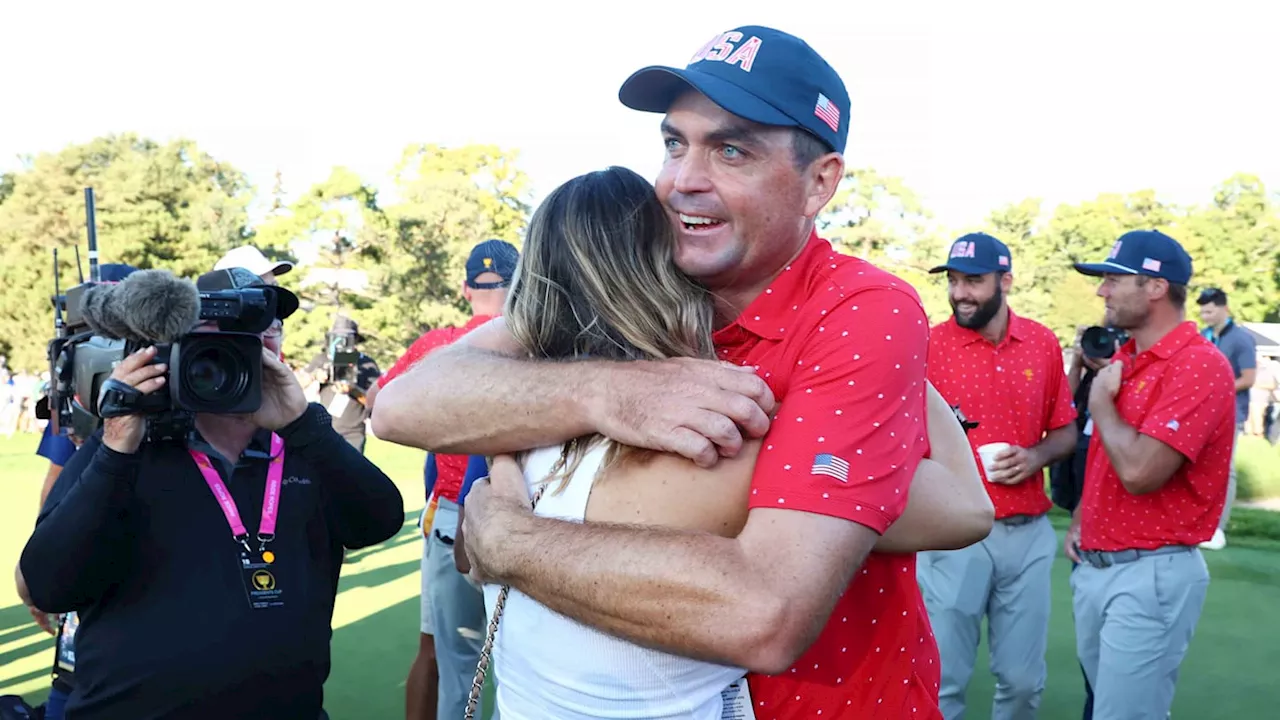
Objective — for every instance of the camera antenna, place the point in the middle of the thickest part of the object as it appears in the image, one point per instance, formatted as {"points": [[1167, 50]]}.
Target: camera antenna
{"points": [[94, 274], [79, 270], [58, 324]]}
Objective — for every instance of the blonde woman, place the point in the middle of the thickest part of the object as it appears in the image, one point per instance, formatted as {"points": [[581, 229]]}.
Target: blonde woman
{"points": [[597, 280]]}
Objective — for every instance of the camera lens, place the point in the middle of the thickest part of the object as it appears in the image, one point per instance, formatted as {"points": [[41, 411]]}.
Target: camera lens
{"points": [[215, 373], [206, 376], [1099, 342]]}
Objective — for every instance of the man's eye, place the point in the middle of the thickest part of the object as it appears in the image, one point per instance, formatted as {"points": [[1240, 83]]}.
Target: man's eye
{"points": [[731, 152]]}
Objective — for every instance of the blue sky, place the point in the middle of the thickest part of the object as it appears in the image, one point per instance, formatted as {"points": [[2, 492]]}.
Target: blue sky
{"points": [[973, 107]]}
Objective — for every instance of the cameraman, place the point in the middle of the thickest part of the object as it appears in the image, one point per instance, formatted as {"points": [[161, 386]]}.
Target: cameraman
{"points": [[1163, 415], [344, 388], [184, 613]]}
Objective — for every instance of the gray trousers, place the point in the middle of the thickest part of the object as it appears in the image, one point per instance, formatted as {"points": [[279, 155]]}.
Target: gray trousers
{"points": [[458, 616], [1005, 577], [1231, 481], [1134, 622]]}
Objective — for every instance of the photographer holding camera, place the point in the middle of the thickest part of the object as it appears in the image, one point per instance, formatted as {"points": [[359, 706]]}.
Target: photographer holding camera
{"points": [[183, 611], [1163, 416], [345, 375]]}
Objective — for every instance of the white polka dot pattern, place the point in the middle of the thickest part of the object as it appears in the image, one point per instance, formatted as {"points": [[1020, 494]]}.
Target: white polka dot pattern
{"points": [[1016, 391], [1181, 392], [845, 441]]}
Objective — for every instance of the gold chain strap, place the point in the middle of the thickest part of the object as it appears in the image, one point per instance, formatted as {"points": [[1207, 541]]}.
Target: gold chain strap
{"points": [[486, 652]]}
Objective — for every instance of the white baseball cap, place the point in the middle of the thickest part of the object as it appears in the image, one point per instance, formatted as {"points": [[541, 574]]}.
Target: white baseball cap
{"points": [[252, 259]]}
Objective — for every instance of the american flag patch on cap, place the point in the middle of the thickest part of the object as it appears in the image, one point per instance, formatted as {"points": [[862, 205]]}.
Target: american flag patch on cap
{"points": [[827, 112], [828, 464], [1152, 265], [1004, 260]]}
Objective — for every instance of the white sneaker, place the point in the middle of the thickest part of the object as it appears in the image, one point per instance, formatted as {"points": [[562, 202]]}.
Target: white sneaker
{"points": [[1217, 542]]}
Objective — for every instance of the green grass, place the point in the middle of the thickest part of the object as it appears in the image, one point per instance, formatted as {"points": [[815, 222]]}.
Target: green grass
{"points": [[1227, 673]]}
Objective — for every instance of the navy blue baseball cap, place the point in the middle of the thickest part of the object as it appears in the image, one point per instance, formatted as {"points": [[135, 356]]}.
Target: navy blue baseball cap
{"points": [[1144, 252], [977, 254], [492, 256], [757, 73], [114, 272]]}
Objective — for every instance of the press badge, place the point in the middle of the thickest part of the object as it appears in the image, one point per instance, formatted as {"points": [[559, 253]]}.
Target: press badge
{"points": [[736, 701], [259, 574], [1088, 427], [338, 404]]}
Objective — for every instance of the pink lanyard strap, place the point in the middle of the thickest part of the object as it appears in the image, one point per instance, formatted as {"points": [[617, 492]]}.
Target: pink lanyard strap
{"points": [[270, 497]]}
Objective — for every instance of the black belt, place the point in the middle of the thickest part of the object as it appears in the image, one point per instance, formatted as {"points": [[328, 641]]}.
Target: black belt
{"points": [[1104, 559], [1016, 520]]}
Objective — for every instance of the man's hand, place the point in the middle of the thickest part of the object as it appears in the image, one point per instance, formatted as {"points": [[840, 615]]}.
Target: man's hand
{"points": [[124, 434], [282, 398], [1015, 464], [1072, 542], [1105, 384], [701, 409], [494, 505], [47, 622]]}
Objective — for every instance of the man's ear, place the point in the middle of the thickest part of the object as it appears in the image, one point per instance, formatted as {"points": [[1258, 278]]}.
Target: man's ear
{"points": [[822, 177], [466, 292]]}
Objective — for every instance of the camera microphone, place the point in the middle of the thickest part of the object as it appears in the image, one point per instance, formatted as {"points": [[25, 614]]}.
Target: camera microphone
{"points": [[148, 307]]}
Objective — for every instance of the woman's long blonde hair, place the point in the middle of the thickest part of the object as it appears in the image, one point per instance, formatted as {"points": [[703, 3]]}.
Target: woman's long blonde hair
{"points": [[597, 280]]}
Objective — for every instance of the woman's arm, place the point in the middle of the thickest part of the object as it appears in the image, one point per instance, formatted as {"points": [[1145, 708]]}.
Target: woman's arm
{"points": [[948, 508]]}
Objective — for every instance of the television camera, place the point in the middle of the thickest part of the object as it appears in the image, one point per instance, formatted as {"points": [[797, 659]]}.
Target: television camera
{"points": [[209, 339], [342, 356]]}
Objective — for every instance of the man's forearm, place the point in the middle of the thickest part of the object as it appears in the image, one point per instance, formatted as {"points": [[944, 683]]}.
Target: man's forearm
{"points": [[1119, 439], [690, 594], [1057, 445], [484, 403]]}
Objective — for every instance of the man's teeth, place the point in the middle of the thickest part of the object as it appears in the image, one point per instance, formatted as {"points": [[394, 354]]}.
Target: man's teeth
{"points": [[695, 220]]}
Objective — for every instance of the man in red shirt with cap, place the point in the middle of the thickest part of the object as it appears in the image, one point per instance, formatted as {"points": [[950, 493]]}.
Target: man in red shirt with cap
{"points": [[1005, 372], [452, 610], [1163, 419], [754, 131]]}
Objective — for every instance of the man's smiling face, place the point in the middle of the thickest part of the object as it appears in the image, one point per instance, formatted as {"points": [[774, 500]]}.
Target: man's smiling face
{"points": [[733, 192]]}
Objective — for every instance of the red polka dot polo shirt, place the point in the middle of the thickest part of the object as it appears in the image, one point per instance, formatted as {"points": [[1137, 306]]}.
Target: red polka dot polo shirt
{"points": [[842, 345]]}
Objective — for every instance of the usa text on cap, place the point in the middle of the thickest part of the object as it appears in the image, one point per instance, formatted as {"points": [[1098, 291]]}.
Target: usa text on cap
{"points": [[977, 254], [1144, 252], [757, 73]]}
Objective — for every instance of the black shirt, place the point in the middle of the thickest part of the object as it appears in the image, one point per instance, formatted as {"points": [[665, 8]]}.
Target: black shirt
{"points": [[350, 421], [139, 546]]}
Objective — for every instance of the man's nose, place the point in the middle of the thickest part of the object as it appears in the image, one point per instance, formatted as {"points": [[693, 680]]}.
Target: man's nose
{"points": [[692, 174]]}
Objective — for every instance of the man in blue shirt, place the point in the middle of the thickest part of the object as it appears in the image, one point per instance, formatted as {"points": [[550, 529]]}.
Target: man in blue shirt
{"points": [[1238, 345]]}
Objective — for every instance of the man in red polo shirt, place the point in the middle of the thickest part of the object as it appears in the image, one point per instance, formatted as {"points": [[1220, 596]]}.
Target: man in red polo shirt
{"points": [[452, 610], [1005, 372], [754, 129], [1163, 424]]}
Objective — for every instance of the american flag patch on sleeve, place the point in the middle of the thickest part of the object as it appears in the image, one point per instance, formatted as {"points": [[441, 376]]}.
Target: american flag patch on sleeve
{"points": [[828, 464]]}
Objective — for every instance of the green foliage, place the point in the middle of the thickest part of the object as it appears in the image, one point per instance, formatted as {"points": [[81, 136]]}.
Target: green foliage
{"points": [[397, 269], [1257, 469], [158, 206]]}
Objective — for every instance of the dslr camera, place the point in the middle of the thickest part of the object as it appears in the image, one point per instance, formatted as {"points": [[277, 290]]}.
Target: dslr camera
{"points": [[1099, 342], [342, 356]]}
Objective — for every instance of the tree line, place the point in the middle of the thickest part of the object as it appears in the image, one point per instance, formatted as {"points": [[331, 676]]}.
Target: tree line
{"points": [[397, 267]]}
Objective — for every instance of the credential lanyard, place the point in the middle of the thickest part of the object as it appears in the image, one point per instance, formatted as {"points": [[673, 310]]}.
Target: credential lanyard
{"points": [[270, 498]]}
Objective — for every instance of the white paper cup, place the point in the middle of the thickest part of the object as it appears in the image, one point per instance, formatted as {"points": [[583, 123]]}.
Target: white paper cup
{"points": [[987, 453]]}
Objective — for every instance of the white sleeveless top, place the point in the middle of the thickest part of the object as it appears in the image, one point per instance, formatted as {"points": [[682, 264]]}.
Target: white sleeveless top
{"points": [[549, 666]]}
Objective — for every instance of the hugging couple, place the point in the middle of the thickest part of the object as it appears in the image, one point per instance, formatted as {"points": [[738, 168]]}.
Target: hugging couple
{"points": [[703, 425]]}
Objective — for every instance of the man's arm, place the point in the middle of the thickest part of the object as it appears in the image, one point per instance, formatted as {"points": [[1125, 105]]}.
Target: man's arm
{"points": [[833, 475], [484, 401], [1246, 379], [364, 506], [81, 542], [1190, 402]]}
